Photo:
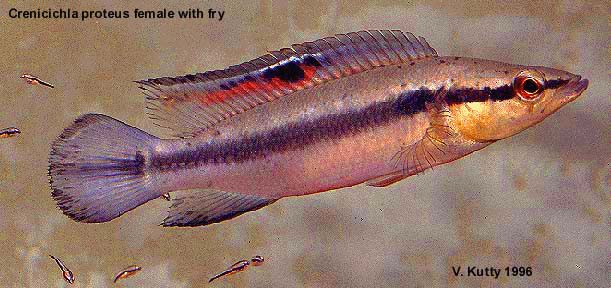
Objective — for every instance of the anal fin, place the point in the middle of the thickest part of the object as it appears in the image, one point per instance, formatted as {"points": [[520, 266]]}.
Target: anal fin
{"points": [[199, 208]]}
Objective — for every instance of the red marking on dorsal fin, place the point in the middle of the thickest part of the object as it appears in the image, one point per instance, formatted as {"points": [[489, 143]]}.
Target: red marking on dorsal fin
{"points": [[190, 104]]}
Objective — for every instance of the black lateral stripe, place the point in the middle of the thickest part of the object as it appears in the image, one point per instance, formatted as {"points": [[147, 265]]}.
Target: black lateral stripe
{"points": [[553, 84], [293, 136], [461, 95]]}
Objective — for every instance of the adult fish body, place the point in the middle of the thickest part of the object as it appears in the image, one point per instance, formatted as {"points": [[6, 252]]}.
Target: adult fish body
{"points": [[368, 107]]}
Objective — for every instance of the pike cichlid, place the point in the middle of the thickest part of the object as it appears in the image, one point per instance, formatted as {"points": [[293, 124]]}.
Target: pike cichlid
{"points": [[368, 107]]}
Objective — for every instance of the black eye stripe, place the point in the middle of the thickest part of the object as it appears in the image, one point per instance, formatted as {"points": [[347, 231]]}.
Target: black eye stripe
{"points": [[553, 84], [463, 94]]}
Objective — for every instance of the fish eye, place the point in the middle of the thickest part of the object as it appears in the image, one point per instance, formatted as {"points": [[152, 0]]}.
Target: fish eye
{"points": [[527, 87], [530, 86]]}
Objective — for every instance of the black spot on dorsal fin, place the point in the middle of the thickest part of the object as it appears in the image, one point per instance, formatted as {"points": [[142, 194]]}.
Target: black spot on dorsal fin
{"points": [[289, 71]]}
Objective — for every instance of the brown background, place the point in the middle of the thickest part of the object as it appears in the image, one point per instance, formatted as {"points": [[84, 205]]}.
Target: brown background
{"points": [[538, 199]]}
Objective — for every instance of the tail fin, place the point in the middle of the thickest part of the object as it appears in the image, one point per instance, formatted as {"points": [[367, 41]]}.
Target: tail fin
{"points": [[97, 169]]}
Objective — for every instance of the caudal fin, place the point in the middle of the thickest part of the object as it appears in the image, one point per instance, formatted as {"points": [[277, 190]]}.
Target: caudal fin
{"points": [[97, 169]]}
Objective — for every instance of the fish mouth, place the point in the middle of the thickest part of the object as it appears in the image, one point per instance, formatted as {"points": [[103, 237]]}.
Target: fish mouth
{"points": [[574, 88]]}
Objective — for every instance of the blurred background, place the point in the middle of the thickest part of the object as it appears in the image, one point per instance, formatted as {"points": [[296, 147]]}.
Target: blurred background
{"points": [[539, 199]]}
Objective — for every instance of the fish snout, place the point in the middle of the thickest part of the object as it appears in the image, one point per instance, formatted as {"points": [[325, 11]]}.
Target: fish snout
{"points": [[572, 90]]}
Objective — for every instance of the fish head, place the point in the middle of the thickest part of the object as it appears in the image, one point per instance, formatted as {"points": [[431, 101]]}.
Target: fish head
{"points": [[69, 276], [517, 97], [257, 260]]}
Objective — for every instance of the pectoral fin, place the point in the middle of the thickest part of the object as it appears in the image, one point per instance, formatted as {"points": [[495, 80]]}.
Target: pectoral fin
{"points": [[386, 180]]}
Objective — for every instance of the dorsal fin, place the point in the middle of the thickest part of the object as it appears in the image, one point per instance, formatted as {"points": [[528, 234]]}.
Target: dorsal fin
{"points": [[190, 104]]}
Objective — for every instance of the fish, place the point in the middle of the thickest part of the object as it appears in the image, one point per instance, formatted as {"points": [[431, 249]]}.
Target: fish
{"points": [[257, 260], [66, 273], [235, 268], [9, 132], [238, 267], [167, 197], [127, 272], [31, 79], [370, 107]]}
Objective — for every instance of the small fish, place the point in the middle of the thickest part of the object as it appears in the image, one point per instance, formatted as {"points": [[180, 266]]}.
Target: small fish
{"points": [[166, 197], [257, 260], [127, 272], [238, 267], [68, 276], [371, 107], [31, 79], [9, 132]]}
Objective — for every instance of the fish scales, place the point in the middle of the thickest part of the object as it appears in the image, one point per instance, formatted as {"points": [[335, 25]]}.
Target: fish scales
{"points": [[368, 107], [355, 117], [315, 123]]}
